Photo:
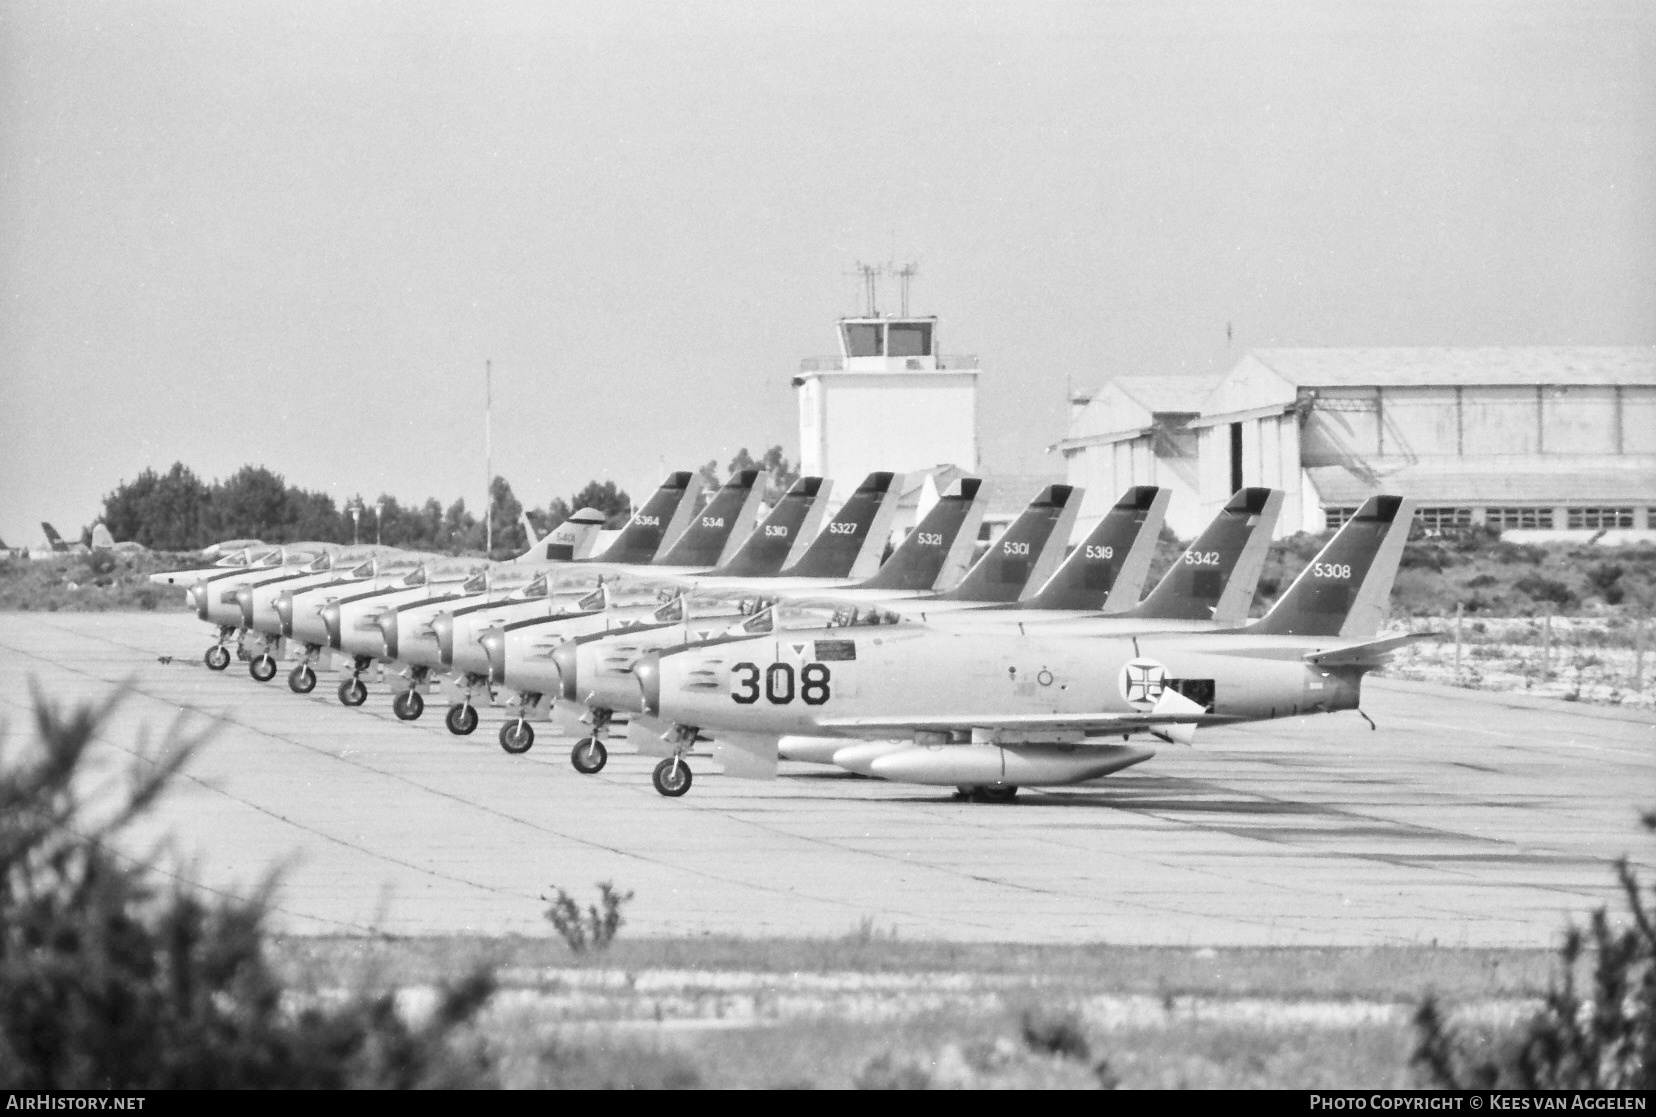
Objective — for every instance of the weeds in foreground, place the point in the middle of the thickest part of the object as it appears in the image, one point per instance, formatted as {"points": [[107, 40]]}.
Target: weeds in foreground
{"points": [[109, 981], [593, 929], [1602, 1037]]}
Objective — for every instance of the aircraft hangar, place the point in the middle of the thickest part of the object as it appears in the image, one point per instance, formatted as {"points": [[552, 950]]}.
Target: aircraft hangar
{"points": [[1550, 441]]}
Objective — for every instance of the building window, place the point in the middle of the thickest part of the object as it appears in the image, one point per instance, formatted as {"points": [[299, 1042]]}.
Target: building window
{"points": [[864, 339], [1444, 519], [1521, 519], [1592, 518], [1336, 517]]}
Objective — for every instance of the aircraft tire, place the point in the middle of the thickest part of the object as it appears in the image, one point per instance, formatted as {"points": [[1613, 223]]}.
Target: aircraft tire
{"points": [[408, 705], [302, 679], [352, 692], [461, 719], [517, 737], [589, 756], [671, 777], [217, 657], [262, 668], [997, 793]]}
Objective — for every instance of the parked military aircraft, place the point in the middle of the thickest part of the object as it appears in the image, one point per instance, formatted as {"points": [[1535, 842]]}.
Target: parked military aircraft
{"points": [[1002, 709]]}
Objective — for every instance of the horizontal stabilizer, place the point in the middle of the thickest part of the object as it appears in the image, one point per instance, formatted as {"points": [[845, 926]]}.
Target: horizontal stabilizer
{"points": [[1373, 653]]}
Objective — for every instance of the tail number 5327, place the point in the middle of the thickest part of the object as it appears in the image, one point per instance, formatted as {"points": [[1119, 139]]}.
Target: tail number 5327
{"points": [[780, 684]]}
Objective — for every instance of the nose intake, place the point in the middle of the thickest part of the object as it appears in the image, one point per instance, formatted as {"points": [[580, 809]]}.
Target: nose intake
{"points": [[494, 646], [648, 673], [442, 627], [563, 658]]}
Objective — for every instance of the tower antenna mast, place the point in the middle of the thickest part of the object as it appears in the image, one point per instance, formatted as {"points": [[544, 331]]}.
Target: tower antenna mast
{"points": [[904, 274], [871, 287], [488, 456]]}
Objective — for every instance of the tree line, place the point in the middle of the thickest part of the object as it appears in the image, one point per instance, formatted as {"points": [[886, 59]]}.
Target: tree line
{"points": [[178, 511]]}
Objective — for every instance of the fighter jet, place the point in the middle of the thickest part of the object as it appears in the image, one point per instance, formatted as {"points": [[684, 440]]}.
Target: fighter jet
{"points": [[595, 669], [1003, 709]]}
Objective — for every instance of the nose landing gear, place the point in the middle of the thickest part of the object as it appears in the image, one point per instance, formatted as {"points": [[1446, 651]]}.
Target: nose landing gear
{"points": [[589, 754], [461, 719], [302, 679], [672, 777]]}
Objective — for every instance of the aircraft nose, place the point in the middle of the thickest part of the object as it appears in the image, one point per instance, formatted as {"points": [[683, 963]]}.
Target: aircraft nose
{"points": [[563, 658], [442, 627], [284, 611], [330, 621], [244, 598], [388, 629], [494, 646], [648, 673]]}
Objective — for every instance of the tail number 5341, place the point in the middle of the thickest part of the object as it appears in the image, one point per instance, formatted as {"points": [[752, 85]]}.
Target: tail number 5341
{"points": [[780, 685]]}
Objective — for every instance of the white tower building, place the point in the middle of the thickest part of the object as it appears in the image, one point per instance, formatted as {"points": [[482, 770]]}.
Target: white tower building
{"points": [[888, 401]]}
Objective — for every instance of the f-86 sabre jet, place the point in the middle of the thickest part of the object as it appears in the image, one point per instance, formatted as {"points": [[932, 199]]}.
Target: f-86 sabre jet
{"points": [[1002, 709]]}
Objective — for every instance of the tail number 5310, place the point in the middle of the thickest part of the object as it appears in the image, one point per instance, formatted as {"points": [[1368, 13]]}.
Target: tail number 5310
{"points": [[780, 685]]}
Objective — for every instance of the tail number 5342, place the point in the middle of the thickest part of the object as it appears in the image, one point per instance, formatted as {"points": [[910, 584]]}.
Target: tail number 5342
{"points": [[780, 684]]}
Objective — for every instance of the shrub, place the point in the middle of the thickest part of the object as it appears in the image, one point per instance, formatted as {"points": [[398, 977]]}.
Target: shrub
{"points": [[1599, 1038], [109, 981], [594, 929], [1539, 587]]}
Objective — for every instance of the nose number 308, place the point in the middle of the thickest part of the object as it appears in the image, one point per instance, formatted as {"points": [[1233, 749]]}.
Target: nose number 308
{"points": [[781, 685]]}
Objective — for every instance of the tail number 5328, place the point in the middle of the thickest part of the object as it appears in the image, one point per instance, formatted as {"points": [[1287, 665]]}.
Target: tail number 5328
{"points": [[780, 684]]}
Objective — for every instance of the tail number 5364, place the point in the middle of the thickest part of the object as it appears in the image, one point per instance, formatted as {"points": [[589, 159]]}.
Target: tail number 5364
{"points": [[780, 684]]}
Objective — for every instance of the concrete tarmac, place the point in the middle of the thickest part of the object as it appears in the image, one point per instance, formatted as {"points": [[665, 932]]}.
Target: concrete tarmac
{"points": [[1466, 819]]}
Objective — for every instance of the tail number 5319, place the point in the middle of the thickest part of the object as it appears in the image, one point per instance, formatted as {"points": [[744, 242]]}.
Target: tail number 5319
{"points": [[780, 685]]}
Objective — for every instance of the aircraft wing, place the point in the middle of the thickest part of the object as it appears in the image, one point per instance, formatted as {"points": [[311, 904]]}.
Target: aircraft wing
{"points": [[1371, 653], [1171, 710]]}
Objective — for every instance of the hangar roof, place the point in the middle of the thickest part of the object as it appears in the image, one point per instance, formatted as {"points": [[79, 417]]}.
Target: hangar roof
{"points": [[1160, 394], [1598, 365]]}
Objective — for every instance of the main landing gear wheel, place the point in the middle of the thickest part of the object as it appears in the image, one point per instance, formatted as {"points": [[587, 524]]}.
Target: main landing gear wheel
{"points": [[517, 736], [352, 692], [461, 720], [217, 657], [408, 705], [1001, 793], [671, 777], [589, 756], [302, 680], [262, 668]]}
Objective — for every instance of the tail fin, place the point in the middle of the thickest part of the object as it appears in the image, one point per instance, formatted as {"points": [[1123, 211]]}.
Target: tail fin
{"points": [[660, 518], [718, 528], [570, 541], [853, 542], [101, 539], [939, 544], [1215, 577], [1110, 564], [1026, 553], [1344, 590], [53, 539], [762, 554]]}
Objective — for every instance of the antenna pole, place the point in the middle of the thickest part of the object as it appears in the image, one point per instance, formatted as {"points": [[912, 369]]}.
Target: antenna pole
{"points": [[904, 274], [871, 286], [488, 457]]}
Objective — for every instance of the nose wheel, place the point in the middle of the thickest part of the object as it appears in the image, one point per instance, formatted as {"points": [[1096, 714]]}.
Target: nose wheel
{"points": [[517, 737], [461, 719], [672, 777], [588, 756], [352, 692], [217, 657], [302, 680], [408, 705], [262, 667]]}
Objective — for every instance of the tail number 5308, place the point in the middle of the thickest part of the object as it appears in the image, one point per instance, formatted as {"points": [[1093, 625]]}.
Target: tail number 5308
{"points": [[780, 685]]}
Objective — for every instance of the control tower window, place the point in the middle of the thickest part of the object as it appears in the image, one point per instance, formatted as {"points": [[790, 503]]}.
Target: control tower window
{"points": [[909, 339], [862, 339]]}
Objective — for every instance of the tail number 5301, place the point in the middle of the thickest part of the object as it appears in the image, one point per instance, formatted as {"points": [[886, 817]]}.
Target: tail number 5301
{"points": [[780, 685]]}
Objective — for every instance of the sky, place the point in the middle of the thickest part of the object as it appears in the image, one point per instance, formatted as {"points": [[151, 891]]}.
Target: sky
{"points": [[292, 234]]}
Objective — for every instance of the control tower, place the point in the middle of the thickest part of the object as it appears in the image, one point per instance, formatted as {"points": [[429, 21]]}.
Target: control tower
{"points": [[887, 401]]}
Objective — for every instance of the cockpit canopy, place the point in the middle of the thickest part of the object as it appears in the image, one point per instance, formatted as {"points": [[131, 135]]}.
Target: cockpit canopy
{"points": [[784, 615]]}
